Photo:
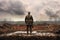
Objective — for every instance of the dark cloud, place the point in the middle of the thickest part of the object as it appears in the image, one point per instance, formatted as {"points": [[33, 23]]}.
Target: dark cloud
{"points": [[49, 12], [12, 7]]}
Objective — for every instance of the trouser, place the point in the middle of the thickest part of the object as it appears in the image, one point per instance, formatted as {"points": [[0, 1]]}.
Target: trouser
{"points": [[29, 28]]}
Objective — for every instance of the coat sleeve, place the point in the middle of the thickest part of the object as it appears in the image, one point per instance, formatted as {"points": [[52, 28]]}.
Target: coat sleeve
{"points": [[32, 19], [25, 19]]}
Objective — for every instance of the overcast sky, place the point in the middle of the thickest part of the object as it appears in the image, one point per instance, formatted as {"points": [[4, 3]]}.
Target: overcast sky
{"points": [[41, 10]]}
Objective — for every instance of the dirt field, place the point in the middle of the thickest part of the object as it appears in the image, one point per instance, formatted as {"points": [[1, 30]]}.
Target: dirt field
{"points": [[34, 28]]}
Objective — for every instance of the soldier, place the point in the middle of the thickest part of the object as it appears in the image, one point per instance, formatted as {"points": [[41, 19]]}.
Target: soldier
{"points": [[29, 23]]}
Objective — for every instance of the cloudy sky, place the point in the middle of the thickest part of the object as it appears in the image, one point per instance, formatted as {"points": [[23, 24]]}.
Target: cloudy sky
{"points": [[41, 10]]}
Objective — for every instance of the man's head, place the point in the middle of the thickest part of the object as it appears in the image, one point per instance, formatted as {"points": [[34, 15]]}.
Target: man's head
{"points": [[28, 13]]}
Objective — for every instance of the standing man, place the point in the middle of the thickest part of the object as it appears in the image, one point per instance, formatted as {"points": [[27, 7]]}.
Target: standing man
{"points": [[29, 23]]}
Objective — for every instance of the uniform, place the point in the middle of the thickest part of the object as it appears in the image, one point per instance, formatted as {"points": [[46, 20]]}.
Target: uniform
{"points": [[29, 23]]}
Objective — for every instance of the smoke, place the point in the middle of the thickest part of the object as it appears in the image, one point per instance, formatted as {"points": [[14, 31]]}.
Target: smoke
{"points": [[52, 15], [49, 12], [12, 7]]}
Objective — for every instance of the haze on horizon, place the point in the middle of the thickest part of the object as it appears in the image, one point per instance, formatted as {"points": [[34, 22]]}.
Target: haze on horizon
{"points": [[41, 10]]}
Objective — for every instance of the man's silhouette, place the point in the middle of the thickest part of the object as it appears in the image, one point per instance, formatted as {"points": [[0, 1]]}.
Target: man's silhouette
{"points": [[29, 23]]}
